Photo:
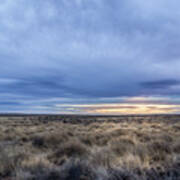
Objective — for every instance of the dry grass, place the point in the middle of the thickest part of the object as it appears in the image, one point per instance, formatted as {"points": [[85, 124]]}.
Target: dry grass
{"points": [[90, 148]]}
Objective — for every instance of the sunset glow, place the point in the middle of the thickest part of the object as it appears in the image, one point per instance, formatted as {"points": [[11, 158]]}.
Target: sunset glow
{"points": [[134, 105]]}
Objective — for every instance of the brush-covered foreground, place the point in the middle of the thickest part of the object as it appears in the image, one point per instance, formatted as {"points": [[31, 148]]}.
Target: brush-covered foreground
{"points": [[90, 148]]}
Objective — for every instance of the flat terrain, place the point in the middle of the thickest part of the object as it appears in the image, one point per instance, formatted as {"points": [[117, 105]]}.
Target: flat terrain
{"points": [[89, 147]]}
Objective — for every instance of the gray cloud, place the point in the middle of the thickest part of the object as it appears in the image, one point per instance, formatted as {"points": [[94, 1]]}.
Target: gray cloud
{"points": [[87, 49], [160, 84]]}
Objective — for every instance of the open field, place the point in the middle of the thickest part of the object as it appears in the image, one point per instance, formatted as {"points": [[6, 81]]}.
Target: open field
{"points": [[90, 148]]}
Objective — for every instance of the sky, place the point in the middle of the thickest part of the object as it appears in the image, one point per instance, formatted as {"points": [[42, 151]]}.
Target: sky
{"points": [[90, 56]]}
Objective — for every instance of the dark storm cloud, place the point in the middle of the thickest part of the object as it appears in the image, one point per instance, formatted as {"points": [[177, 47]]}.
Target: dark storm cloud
{"points": [[9, 103], [160, 84], [87, 51]]}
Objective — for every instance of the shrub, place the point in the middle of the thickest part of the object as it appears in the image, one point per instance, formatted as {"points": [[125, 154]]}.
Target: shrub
{"points": [[38, 141], [10, 159], [122, 146], [78, 170], [69, 149]]}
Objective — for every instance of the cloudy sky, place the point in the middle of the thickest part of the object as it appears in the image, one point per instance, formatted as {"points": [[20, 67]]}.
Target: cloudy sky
{"points": [[90, 56]]}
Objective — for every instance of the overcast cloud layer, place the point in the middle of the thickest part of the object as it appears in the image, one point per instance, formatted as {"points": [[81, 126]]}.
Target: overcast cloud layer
{"points": [[62, 53]]}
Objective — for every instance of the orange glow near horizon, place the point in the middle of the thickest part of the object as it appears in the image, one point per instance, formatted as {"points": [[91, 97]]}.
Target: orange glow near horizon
{"points": [[138, 109], [123, 108], [127, 105]]}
